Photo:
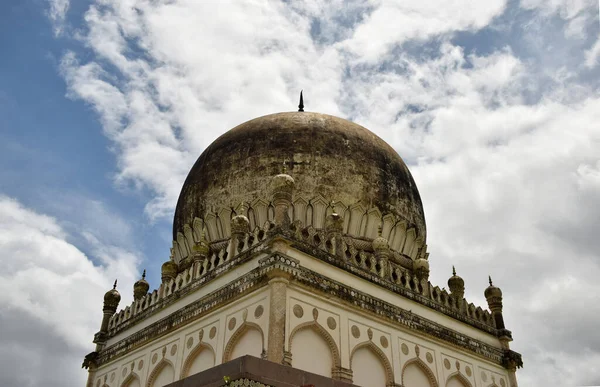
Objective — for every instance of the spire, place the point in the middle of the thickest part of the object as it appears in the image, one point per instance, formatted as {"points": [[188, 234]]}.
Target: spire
{"points": [[301, 106], [115, 285], [490, 278], [144, 274], [453, 270]]}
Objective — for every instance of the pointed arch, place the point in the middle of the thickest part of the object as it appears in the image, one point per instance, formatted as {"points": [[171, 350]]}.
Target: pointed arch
{"points": [[187, 364], [318, 329], [461, 378], [389, 372], [132, 377], [157, 369], [238, 334], [421, 364]]}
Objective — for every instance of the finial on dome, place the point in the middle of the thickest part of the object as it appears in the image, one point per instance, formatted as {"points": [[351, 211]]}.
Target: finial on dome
{"points": [[490, 278], [301, 106], [453, 270], [144, 274], [115, 285]]}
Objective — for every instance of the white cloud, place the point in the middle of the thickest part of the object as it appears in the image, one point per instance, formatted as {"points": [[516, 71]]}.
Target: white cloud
{"points": [[505, 148], [51, 297], [57, 13], [592, 55]]}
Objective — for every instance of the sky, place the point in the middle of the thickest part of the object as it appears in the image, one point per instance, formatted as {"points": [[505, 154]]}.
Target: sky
{"points": [[106, 104]]}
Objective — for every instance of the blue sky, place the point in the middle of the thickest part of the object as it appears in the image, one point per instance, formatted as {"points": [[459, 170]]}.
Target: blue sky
{"points": [[105, 105]]}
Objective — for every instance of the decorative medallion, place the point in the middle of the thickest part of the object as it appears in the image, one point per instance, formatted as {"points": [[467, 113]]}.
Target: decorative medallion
{"points": [[315, 313], [258, 311], [154, 358], [417, 350], [212, 333], [245, 315], [331, 323], [190, 342], [502, 383], [429, 357], [468, 371], [173, 350], [370, 334], [355, 331], [457, 365], [483, 376], [404, 348], [231, 324], [112, 377], [298, 311], [447, 364], [124, 373], [200, 335], [140, 365], [384, 341]]}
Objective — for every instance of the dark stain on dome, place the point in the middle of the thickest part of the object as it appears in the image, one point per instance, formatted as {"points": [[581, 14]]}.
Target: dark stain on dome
{"points": [[326, 155]]}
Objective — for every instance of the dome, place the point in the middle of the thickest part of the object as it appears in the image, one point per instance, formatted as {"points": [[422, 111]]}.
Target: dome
{"points": [[112, 297], [330, 160]]}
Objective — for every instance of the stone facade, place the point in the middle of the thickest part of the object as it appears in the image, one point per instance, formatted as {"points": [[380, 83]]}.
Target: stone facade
{"points": [[336, 289]]}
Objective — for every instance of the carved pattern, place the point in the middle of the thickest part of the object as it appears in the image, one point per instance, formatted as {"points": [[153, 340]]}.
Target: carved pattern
{"points": [[461, 378], [421, 364], [130, 379], [404, 348], [187, 364], [212, 333], [154, 374], [355, 331], [237, 335], [258, 312], [389, 373], [298, 311], [315, 326], [331, 323], [429, 357]]}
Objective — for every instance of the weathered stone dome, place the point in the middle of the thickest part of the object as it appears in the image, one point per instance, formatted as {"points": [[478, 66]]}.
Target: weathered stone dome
{"points": [[330, 160]]}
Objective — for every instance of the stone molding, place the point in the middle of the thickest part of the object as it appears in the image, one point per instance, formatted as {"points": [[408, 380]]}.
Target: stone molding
{"points": [[317, 283], [398, 280], [424, 367]]}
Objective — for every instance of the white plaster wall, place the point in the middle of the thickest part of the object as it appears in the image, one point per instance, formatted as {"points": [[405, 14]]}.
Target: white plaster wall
{"points": [[194, 296], [250, 343], [390, 297], [311, 353], [367, 369], [352, 329], [211, 332], [164, 376], [415, 377]]}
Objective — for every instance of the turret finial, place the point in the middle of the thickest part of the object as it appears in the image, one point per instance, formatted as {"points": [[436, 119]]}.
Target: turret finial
{"points": [[115, 285], [379, 229], [144, 274], [490, 278], [301, 106], [453, 270]]}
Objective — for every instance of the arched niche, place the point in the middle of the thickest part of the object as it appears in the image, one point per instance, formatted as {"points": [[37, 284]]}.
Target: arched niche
{"points": [[307, 358], [162, 374], [416, 373], [370, 366], [201, 358], [132, 380], [248, 339], [458, 380]]}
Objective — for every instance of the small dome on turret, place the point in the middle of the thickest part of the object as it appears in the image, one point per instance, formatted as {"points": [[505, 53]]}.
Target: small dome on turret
{"points": [[141, 287], [112, 297], [380, 243], [455, 282], [169, 270], [492, 291], [282, 181]]}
